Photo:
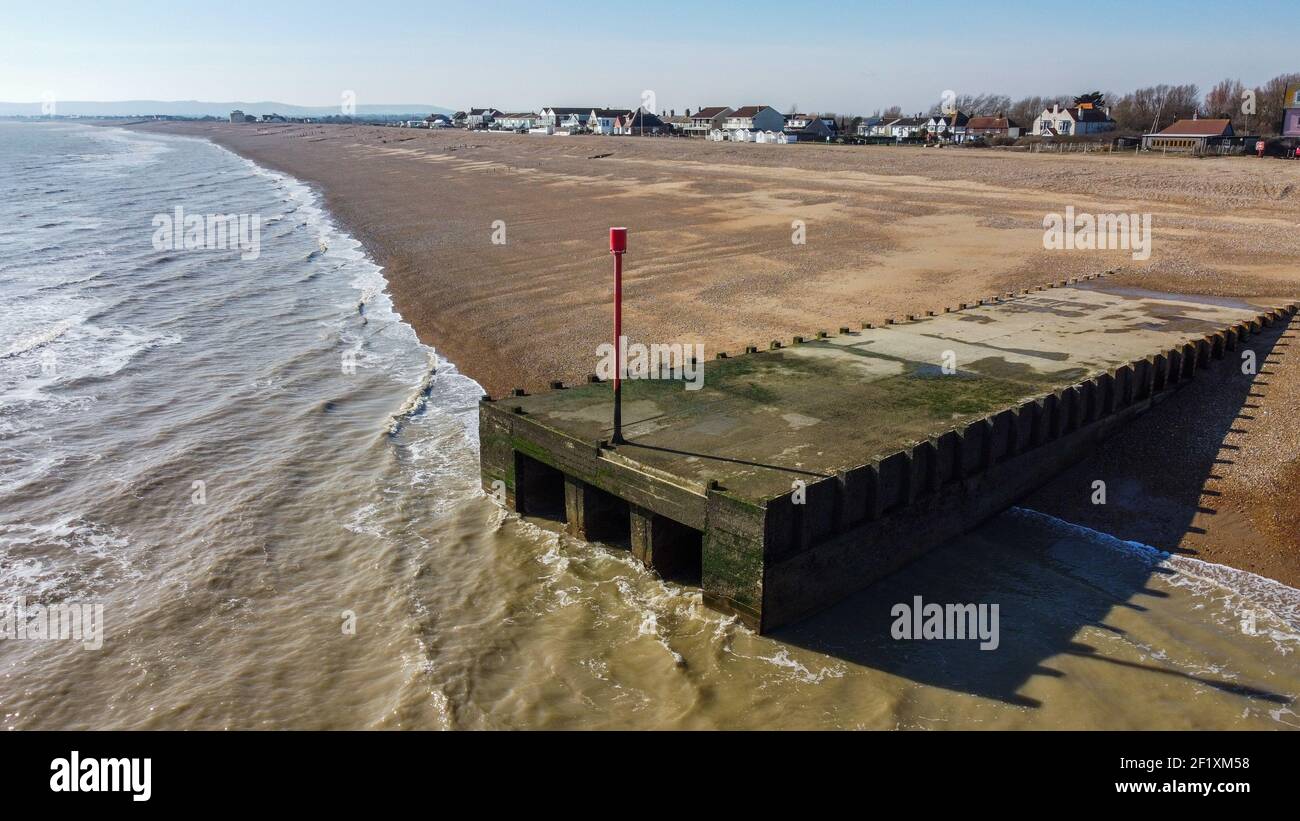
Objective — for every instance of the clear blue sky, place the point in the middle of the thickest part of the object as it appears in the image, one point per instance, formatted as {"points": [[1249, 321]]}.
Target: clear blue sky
{"points": [[829, 56]]}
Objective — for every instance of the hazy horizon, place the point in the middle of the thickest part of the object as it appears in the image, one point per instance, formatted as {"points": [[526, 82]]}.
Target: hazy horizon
{"points": [[833, 56]]}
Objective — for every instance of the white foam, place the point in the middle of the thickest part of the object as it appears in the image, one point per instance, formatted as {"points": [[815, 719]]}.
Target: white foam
{"points": [[1275, 606]]}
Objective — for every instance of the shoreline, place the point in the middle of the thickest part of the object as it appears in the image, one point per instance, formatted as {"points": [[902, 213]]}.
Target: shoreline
{"points": [[529, 325]]}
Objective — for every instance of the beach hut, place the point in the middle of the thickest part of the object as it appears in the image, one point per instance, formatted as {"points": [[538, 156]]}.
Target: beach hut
{"points": [[717, 135], [741, 135], [784, 138]]}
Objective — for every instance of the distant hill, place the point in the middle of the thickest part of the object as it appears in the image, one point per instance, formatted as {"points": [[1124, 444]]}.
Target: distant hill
{"points": [[196, 108]]}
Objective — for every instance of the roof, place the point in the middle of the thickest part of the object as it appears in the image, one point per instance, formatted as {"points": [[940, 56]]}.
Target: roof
{"points": [[711, 112], [1088, 115], [478, 112], [977, 123], [518, 115], [642, 117], [910, 121], [567, 111], [611, 113], [1198, 128], [749, 110]]}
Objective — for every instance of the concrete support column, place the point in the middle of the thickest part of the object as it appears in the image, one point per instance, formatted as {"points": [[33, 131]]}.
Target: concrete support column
{"points": [[590, 514], [670, 549]]}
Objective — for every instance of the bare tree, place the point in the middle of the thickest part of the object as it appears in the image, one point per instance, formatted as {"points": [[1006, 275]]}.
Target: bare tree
{"points": [[1224, 100], [1156, 107]]}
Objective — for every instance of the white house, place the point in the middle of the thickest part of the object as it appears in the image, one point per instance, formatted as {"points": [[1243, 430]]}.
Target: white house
{"points": [[882, 128], [480, 117], [516, 121], [571, 118], [754, 118], [907, 128], [948, 126], [1079, 120]]}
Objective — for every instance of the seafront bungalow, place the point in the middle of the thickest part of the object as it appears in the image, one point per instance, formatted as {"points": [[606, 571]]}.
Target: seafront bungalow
{"points": [[516, 121], [1194, 136], [1077, 120], [707, 120], [437, 121], [480, 117], [639, 122], [754, 118], [998, 126], [571, 118], [809, 127], [605, 120]]}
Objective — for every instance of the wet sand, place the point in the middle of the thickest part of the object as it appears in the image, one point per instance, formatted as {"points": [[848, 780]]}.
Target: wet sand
{"points": [[888, 231]]}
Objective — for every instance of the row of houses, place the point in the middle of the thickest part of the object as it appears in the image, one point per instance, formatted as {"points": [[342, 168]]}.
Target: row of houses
{"points": [[709, 121], [765, 124], [564, 119]]}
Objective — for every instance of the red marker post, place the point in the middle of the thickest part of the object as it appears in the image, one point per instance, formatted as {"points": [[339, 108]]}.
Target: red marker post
{"points": [[618, 247]]}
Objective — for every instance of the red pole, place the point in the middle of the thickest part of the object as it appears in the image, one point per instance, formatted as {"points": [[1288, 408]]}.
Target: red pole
{"points": [[617, 247]]}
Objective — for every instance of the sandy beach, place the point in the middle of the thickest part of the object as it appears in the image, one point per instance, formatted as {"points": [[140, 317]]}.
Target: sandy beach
{"points": [[494, 249]]}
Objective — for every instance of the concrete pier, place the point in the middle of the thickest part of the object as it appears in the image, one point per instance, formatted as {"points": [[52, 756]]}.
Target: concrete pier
{"points": [[805, 470]]}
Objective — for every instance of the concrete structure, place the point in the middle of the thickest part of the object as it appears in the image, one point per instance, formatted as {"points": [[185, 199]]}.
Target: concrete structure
{"points": [[805, 472]]}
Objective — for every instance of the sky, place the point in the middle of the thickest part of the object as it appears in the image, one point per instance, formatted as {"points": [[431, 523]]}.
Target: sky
{"points": [[844, 57]]}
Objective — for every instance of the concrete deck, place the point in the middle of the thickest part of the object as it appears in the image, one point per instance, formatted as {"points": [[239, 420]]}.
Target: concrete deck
{"points": [[808, 470]]}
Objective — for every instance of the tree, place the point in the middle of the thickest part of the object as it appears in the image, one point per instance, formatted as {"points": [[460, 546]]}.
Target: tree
{"points": [[1224, 100], [1025, 111], [1156, 107], [1094, 98]]}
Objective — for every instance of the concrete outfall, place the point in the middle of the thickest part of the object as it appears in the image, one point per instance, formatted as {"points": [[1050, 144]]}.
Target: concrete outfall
{"points": [[802, 473]]}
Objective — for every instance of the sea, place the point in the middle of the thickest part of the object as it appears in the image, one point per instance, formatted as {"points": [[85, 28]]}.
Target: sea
{"points": [[268, 486]]}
